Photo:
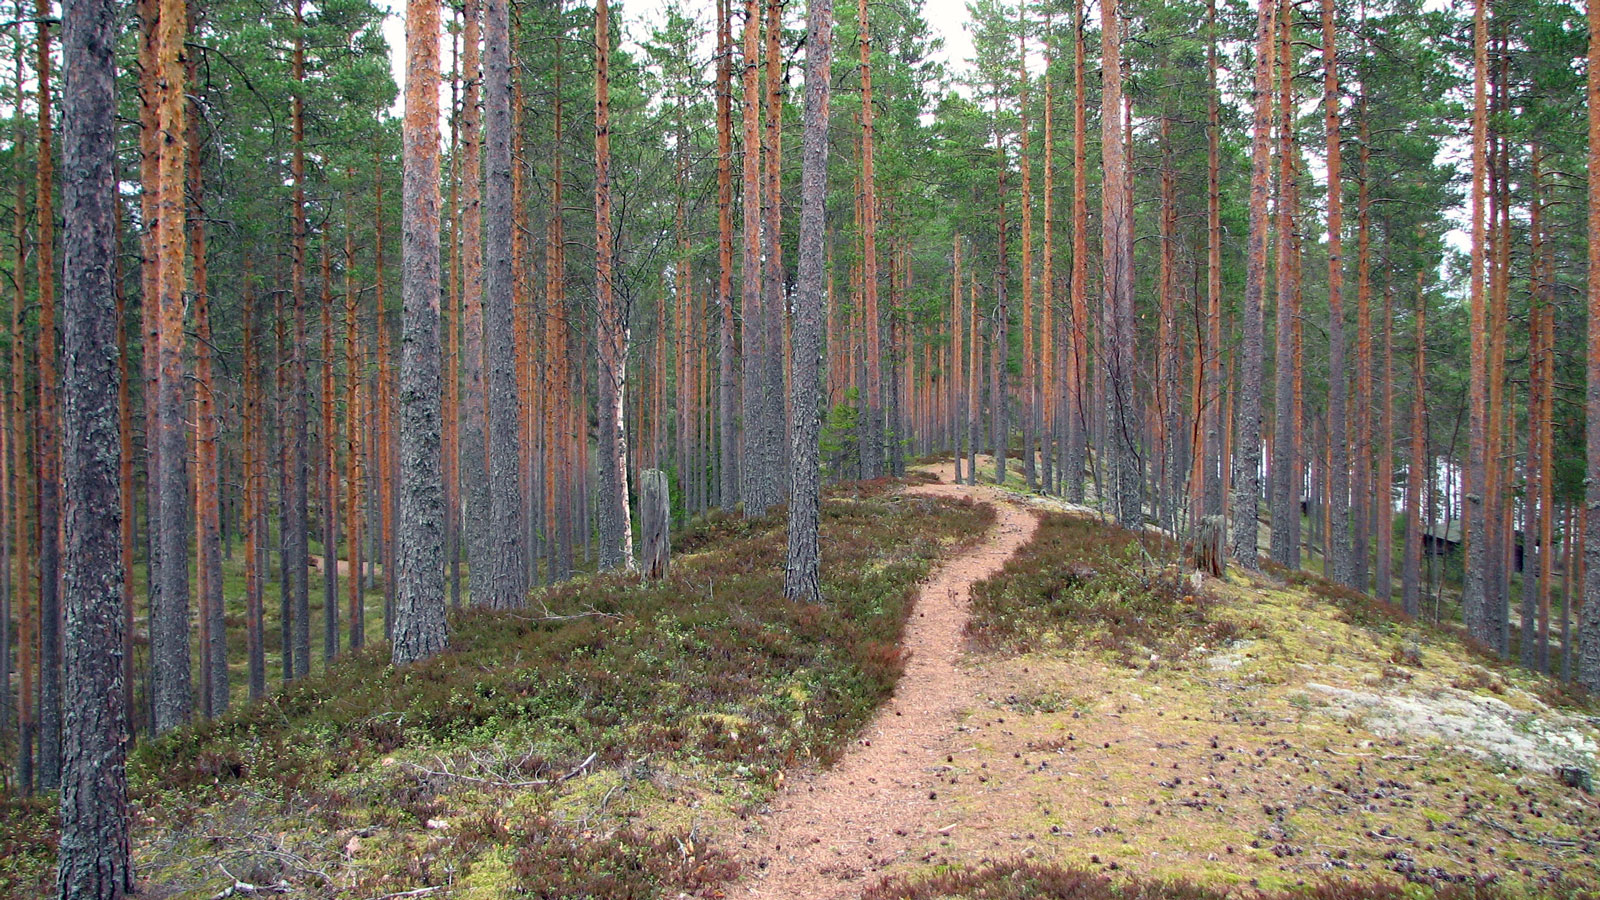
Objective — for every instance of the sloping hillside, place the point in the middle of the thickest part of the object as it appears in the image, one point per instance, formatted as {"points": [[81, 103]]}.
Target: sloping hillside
{"points": [[590, 746], [1136, 722]]}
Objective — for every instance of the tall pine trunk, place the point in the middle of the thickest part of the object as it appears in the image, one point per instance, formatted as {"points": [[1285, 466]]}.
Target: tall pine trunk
{"points": [[419, 623], [49, 462], [507, 577], [169, 631], [801, 580], [1589, 621], [1475, 589], [611, 336], [1116, 256], [1285, 481], [1078, 346], [727, 408], [752, 312], [1247, 430], [94, 845], [872, 432], [1419, 464]]}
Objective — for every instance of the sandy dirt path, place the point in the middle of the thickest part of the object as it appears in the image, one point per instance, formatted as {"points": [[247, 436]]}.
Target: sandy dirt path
{"points": [[828, 833]]}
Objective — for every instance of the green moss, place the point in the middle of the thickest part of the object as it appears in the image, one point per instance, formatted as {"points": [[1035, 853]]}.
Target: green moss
{"points": [[692, 693]]}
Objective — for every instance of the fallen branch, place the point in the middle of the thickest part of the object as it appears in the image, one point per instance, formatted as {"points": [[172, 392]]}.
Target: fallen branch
{"points": [[444, 772], [417, 892], [245, 888]]}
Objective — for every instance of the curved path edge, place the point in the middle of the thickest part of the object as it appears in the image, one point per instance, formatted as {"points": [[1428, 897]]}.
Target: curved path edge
{"points": [[827, 834]]}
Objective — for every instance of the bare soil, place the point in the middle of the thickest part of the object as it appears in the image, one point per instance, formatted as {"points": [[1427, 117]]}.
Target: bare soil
{"points": [[828, 834]]}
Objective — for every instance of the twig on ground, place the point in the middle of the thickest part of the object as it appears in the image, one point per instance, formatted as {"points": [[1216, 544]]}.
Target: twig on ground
{"points": [[245, 888], [444, 772], [416, 892]]}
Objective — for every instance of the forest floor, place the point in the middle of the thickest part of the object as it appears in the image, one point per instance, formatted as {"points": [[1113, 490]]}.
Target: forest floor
{"points": [[1113, 715], [829, 831], [1003, 697]]}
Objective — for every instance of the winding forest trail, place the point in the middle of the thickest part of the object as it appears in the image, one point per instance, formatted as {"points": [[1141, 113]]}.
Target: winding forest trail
{"points": [[829, 832]]}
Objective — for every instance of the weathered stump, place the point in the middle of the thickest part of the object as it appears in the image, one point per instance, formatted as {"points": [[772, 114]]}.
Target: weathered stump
{"points": [[1208, 555], [655, 511]]}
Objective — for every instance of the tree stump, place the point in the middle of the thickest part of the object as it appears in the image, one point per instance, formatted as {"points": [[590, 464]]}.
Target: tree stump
{"points": [[655, 510], [1208, 556]]}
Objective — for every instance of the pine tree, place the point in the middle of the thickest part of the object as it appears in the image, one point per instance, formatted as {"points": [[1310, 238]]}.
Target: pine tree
{"points": [[419, 625], [169, 619], [801, 580], [1588, 663], [93, 852], [507, 582], [1247, 429], [616, 540]]}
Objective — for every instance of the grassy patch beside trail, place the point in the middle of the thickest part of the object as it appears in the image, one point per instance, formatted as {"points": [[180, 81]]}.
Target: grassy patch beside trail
{"points": [[580, 748], [1083, 583], [1024, 880], [1267, 732]]}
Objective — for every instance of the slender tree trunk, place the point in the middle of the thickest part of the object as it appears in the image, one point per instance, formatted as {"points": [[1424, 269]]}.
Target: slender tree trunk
{"points": [[94, 846], [871, 440], [1247, 441], [1285, 481], [1169, 484], [419, 623], [1362, 489], [294, 534], [752, 306], [1030, 392], [1547, 374], [1534, 512], [254, 492], [328, 466], [999, 333], [1384, 521], [355, 416], [385, 393], [974, 376], [1051, 331], [125, 495], [1215, 424], [801, 581], [727, 419], [1338, 543], [1116, 254], [1474, 590], [1497, 495], [774, 423], [1589, 621], [1418, 464], [1078, 347], [49, 460], [169, 636], [507, 581], [558, 430], [616, 531], [473, 477], [208, 488]]}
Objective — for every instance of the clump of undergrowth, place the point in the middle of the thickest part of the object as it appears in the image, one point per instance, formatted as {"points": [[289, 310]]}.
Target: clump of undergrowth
{"points": [[368, 780], [1028, 880], [1082, 582], [1357, 607]]}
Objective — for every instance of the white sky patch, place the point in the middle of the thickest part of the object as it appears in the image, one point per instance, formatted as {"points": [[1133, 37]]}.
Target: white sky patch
{"points": [[947, 19]]}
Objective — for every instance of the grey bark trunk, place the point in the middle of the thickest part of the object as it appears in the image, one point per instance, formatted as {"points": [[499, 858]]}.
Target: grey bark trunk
{"points": [[1247, 442], [1117, 258], [93, 857], [419, 622], [801, 579], [508, 575]]}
